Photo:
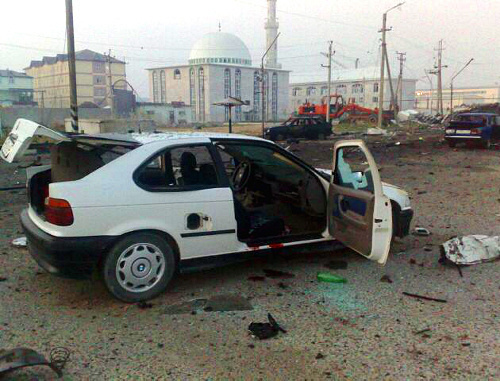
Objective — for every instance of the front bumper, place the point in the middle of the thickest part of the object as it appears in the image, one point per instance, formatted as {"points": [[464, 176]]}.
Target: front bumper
{"points": [[401, 225], [68, 257]]}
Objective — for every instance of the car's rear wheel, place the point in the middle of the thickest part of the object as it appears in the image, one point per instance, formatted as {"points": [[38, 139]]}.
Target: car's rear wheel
{"points": [[139, 267]]}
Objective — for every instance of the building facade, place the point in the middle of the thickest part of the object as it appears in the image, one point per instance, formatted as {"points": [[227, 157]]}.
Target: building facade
{"points": [[166, 114], [15, 88], [427, 100], [95, 76], [360, 86]]}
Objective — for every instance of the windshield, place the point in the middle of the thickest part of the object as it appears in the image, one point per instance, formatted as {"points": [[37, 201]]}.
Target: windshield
{"points": [[476, 119]]}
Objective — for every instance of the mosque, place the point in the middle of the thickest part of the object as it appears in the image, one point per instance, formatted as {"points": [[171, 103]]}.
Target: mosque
{"points": [[220, 65]]}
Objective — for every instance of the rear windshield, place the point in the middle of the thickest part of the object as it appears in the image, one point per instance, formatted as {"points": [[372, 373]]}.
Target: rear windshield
{"points": [[473, 119]]}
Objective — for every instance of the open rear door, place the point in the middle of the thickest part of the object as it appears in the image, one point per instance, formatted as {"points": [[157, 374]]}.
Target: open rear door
{"points": [[359, 214], [21, 135]]}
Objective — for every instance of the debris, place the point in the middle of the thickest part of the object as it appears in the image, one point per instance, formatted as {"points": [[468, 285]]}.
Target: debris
{"points": [[376, 131], [336, 265], [460, 271], [472, 249], [330, 278], [386, 278], [19, 242], [270, 273], [2, 279], [412, 261], [424, 297], [144, 305], [422, 331], [216, 303], [13, 188], [421, 192], [282, 285], [264, 331], [59, 356], [256, 278], [423, 232], [320, 356], [22, 357]]}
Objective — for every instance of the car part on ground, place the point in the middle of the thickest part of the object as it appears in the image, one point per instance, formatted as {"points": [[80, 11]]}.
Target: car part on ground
{"points": [[18, 358], [263, 331], [472, 249]]}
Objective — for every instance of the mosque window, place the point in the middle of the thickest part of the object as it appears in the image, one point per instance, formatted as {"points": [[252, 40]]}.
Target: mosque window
{"points": [[237, 92], [227, 90], [256, 95], [155, 87], [177, 74], [192, 92], [274, 96], [163, 83], [201, 96], [311, 91], [324, 90]]}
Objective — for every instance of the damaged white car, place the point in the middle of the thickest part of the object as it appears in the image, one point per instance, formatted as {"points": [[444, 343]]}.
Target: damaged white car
{"points": [[142, 207]]}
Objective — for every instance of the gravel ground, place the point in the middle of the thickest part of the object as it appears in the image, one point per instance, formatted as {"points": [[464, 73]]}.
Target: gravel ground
{"points": [[363, 329]]}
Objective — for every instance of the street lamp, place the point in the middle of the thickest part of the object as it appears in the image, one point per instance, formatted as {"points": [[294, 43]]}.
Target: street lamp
{"points": [[262, 84], [451, 84]]}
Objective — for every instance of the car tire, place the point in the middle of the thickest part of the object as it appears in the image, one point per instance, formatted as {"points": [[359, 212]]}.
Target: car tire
{"points": [[139, 267], [451, 144]]}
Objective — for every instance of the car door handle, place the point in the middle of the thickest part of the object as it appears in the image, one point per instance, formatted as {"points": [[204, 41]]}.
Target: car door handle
{"points": [[378, 220], [344, 204]]}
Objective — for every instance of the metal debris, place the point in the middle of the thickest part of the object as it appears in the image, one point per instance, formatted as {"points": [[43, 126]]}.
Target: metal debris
{"points": [[215, 303], [264, 331], [19, 242], [18, 358], [423, 232], [472, 249], [425, 297]]}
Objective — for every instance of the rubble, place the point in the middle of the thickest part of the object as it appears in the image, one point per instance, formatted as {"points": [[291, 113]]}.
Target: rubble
{"points": [[18, 358], [263, 331], [472, 249]]}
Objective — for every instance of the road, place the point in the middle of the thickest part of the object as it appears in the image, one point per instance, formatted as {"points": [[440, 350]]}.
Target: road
{"points": [[363, 329]]}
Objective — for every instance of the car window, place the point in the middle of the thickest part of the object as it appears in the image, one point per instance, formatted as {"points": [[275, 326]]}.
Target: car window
{"points": [[179, 168], [352, 169]]}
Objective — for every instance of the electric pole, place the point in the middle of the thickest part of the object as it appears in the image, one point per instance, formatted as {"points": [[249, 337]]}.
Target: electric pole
{"points": [[393, 105], [399, 90], [439, 71], [72, 65], [110, 76], [329, 67], [382, 63], [427, 72]]}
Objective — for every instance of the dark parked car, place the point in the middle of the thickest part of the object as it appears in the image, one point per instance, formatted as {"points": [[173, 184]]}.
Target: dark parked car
{"points": [[309, 127], [481, 128]]}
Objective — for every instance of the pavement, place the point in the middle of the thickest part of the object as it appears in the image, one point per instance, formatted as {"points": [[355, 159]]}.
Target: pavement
{"points": [[363, 329]]}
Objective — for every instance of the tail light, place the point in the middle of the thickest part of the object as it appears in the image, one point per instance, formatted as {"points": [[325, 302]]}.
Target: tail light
{"points": [[58, 212], [475, 131]]}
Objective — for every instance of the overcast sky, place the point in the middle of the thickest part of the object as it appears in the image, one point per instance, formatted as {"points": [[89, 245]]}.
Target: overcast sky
{"points": [[150, 33]]}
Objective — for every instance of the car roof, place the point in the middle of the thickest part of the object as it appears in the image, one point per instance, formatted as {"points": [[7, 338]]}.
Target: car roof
{"points": [[478, 113]]}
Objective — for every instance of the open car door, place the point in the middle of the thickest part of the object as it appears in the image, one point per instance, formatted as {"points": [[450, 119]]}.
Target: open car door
{"points": [[359, 214]]}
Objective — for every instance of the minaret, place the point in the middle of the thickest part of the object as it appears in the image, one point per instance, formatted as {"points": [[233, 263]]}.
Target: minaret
{"points": [[271, 27]]}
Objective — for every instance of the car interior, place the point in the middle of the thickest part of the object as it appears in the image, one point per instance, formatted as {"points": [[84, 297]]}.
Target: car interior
{"points": [[275, 197]]}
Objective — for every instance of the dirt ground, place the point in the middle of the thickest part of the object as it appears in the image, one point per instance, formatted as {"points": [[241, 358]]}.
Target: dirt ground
{"points": [[363, 329]]}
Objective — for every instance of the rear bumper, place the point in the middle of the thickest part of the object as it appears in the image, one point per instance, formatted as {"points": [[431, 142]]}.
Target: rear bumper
{"points": [[403, 222], [74, 257], [462, 137]]}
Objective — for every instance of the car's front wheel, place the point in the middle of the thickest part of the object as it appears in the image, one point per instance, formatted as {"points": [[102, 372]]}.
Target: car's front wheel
{"points": [[139, 267]]}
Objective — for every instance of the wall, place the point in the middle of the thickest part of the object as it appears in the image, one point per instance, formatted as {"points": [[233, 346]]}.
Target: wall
{"points": [[160, 114], [467, 96]]}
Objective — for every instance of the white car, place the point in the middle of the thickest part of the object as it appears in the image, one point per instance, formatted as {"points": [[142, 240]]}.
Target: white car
{"points": [[141, 207]]}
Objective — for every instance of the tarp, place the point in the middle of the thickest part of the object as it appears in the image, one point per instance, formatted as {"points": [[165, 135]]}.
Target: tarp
{"points": [[472, 249]]}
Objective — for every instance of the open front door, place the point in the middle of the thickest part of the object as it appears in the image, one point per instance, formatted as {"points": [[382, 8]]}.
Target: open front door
{"points": [[359, 214]]}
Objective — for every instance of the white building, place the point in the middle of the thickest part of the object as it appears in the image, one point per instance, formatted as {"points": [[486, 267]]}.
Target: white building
{"points": [[360, 86], [219, 66]]}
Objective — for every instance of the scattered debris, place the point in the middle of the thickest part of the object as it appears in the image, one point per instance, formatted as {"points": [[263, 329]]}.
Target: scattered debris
{"points": [[472, 249], [460, 271], [423, 232], [421, 192], [216, 303], [412, 261], [376, 131], [336, 265], [386, 278], [425, 330], [264, 331], [2, 279], [320, 356], [144, 305], [424, 297], [256, 278], [13, 188], [270, 273], [19, 242], [330, 278], [18, 358], [282, 285]]}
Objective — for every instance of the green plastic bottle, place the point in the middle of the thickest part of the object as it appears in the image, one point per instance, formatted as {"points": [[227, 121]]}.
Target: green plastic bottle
{"points": [[331, 278]]}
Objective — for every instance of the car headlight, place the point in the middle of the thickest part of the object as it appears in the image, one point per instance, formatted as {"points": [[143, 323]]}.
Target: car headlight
{"points": [[450, 131]]}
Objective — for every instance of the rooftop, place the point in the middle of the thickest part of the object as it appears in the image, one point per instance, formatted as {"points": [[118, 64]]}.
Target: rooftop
{"points": [[82, 55], [12, 73]]}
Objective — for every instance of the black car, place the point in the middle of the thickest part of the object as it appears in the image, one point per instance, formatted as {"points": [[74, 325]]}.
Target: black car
{"points": [[308, 127]]}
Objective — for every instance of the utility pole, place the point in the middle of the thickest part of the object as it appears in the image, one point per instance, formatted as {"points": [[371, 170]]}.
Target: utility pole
{"points": [[393, 105], [427, 72], [439, 71], [329, 67], [262, 84], [111, 98], [72, 65], [382, 63], [399, 90]]}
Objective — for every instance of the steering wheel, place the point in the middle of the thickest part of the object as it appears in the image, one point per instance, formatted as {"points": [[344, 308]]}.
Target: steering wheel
{"points": [[241, 175]]}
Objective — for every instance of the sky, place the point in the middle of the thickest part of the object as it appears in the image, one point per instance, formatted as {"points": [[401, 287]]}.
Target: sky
{"points": [[150, 33]]}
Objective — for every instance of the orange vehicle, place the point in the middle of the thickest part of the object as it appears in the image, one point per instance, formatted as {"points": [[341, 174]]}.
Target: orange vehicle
{"points": [[339, 110]]}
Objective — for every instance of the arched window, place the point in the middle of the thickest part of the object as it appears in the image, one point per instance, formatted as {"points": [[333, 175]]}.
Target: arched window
{"points": [[357, 88], [177, 74], [296, 91], [227, 90], [163, 84], [311, 90], [274, 96], [155, 87], [266, 94], [201, 93], [192, 93], [256, 95], [237, 92], [324, 90]]}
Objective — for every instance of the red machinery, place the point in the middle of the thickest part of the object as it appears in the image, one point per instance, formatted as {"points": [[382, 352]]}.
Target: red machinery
{"points": [[351, 111]]}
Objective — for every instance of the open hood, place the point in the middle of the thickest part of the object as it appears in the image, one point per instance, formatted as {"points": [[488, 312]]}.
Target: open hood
{"points": [[21, 136]]}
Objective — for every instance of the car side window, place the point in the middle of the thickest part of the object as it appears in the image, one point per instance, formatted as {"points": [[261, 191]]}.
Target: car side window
{"points": [[179, 168], [352, 169]]}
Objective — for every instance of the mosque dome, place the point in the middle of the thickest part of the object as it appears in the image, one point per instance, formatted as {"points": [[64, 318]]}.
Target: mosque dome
{"points": [[220, 48]]}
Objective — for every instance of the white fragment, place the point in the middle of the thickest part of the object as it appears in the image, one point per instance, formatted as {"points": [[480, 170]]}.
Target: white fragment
{"points": [[19, 242], [472, 249]]}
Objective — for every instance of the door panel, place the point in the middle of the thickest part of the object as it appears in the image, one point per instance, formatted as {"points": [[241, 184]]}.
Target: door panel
{"points": [[359, 214]]}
